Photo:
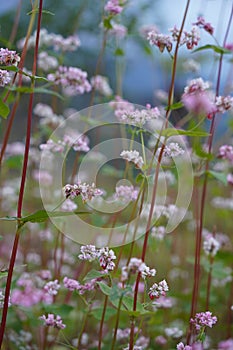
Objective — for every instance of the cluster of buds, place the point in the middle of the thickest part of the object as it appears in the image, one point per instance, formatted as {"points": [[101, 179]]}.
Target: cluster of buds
{"points": [[86, 191], [158, 290], [134, 157]]}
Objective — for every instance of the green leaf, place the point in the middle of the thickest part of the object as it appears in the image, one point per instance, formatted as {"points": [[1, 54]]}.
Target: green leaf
{"points": [[4, 109], [41, 215], [97, 313], [175, 132], [215, 48], [14, 162], [128, 304], [176, 105], [107, 23], [94, 274], [104, 288], [3, 274], [119, 52], [10, 68], [39, 90], [219, 176]]}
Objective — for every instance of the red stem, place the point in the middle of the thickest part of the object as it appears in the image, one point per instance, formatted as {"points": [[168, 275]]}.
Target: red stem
{"points": [[170, 98], [22, 187], [203, 197]]}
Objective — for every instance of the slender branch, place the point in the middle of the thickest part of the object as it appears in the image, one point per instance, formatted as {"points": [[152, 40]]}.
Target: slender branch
{"points": [[22, 186]]}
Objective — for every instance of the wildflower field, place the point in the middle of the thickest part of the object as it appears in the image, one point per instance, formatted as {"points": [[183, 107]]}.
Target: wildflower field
{"points": [[116, 177]]}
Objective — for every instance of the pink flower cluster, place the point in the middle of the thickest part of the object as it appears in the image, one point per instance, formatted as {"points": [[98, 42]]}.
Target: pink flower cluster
{"points": [[197, 100], [158, 290], [52, 287], [86, 191], [56, 41], [4, 77], [78, 142], [126, 193], [105, 256], [100, 84], [226, 152], [203, 319], [201, 23], [114, 7], [73, 80], [52, 320], [162, 41], [73, 285], [8, 57], [136, 265]]}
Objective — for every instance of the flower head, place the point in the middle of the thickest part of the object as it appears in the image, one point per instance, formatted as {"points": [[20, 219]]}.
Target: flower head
{"points": [[158, 290], [133, 156], [203, 319], [53, 321]]}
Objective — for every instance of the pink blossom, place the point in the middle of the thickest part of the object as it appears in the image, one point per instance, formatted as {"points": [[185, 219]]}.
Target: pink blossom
{"points": [[226, 152], [52, 287], [113, 7], [53, 321], [199, 103], [106, 257], [8, 57], [203, 319], [160, 40], [158, 290], [230, 179], [201, 23], [73, 80], [181, 346], [226, 344], [71, 284], [133, 156], [4, 77]]}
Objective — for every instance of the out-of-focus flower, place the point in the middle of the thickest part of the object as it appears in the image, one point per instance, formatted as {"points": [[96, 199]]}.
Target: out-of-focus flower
{"points": [[181, 346], [224, 104], [201, 23], [56, 41], [197, 100], [8, 57], [100, 84], [226, 152], [211, 245], [53, 321], [88, 252], [71, 284], [52, 287], [133, 156], [203, 319], [118, 30], [4, 77], [72, 79], [160, 40], [46, 62], [126, 193], [226, 344], [114, 7], [86, 191]]}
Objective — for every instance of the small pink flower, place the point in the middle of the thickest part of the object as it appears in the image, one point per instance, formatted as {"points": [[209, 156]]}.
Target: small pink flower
{"points": [[52, 320]]}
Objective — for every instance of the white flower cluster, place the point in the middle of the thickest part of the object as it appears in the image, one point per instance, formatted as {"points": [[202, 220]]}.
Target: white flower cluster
{"points": [[56, 41], [47, 62], [126, 193], [86, 191], [158, 290], [134, 157], [211, 245], [48, 117], [171, 150], [105, 256], [136, 265], [100, 84]]}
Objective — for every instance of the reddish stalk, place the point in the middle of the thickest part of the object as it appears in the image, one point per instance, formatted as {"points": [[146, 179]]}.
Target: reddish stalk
{"points": [[203, 196], [15, 106], [170, 100], [22, 187]]}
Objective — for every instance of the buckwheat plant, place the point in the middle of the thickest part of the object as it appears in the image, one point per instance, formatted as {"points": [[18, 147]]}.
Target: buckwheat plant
{"points": [[116, 175]]}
